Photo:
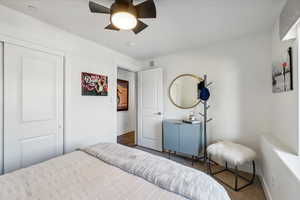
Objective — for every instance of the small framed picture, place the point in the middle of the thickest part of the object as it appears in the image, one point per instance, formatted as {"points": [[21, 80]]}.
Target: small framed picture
{"points": [[122, 95], [282, 74]]}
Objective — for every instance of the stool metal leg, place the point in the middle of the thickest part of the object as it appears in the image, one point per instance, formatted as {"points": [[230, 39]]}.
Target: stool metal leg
{"points": [[249, 181], [253, 176], [236, 171], [209, 165]]}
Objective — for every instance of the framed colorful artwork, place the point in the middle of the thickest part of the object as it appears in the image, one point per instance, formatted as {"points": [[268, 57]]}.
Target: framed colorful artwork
{"points": [[94, 84], [122, 95]]}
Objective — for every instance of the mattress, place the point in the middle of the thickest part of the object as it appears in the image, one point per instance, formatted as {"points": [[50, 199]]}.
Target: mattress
{"points": [[78, 176]]}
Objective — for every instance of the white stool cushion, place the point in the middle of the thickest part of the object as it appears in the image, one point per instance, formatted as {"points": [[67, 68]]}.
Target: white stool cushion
{"points": [[233, 153]]}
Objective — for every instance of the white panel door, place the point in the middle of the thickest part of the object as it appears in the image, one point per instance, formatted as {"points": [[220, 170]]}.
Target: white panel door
{"points": [[150, 104], [33, 106]]}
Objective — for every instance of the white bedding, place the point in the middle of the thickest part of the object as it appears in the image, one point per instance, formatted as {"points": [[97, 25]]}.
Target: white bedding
{"points": [[188, 182], [79, 176]]}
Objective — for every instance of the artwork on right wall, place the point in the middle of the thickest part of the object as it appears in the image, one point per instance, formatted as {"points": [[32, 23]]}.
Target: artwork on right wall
{"points": [[282, 72]]}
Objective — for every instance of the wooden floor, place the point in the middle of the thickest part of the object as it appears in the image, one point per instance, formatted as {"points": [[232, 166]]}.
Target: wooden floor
{"points": [[253, 192], [127, 139]]}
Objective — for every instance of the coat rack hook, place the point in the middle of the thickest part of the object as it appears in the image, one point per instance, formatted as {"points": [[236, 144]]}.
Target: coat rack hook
{"points": [[210, 83], [209, 120]]}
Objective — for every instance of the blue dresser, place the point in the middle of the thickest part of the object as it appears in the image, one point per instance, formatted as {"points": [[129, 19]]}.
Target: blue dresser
{"points": [[180, 137]]}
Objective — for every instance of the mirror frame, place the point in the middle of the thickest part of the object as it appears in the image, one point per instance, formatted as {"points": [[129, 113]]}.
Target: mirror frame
{"points": [[182, 75]]}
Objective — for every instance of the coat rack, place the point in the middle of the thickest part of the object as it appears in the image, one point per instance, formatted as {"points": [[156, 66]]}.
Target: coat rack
{"points": [[205, 119]]}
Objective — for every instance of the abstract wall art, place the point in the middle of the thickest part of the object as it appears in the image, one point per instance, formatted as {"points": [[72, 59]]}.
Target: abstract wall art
{"points": [[282, 72]]}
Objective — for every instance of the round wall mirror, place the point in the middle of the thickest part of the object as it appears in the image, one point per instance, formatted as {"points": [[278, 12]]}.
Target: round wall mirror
{"points": [[183, 91]]}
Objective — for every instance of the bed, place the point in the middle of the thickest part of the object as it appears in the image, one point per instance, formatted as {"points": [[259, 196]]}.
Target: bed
{"points": [[109, 172]]}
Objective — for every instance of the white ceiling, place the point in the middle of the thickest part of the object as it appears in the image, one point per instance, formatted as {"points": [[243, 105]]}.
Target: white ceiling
{"points": [[180, 25]]}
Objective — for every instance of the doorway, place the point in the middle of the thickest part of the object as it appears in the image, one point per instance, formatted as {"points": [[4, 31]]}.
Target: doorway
{"points": [[126, 107]]}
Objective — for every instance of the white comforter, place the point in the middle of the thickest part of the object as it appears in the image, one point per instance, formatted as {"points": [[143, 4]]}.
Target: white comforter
{"points": [[79, 176], [188, 182]]}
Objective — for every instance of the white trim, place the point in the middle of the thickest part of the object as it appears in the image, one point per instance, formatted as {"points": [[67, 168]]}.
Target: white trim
{"points": [[1, 108], [139, 108], [297, 59], [30, 45], [266, 188], [64, 105]]}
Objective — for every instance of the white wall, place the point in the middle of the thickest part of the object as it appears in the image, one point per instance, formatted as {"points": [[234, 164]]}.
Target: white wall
{"points": [[280, 166], [88, 119], [242, 78], [280, 170], [243, 105], [284, 105], [127, 119]]}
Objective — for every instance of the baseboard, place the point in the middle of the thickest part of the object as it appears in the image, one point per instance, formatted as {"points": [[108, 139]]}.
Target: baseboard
{"points": [[265, 188], [126, 133]]}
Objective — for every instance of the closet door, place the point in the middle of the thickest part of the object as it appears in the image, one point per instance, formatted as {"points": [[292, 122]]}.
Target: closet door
{"points": [[33, 106]]}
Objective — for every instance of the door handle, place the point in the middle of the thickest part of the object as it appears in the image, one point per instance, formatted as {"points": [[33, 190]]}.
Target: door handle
{"points": [[159, 113]]}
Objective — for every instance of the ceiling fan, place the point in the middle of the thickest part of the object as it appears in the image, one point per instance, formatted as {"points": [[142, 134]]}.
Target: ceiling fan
{"points": [[124, 15]]}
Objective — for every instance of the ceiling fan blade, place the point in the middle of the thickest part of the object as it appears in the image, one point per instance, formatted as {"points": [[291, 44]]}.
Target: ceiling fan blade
{"points": [[96, 8], [123, 1], [139, 27], [146, 9], [112, 27]]}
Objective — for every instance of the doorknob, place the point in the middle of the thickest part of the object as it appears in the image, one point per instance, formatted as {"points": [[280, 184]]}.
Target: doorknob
{"points": [[159, 113]]}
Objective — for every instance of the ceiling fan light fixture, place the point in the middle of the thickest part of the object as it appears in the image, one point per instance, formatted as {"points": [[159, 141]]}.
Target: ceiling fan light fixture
{"points": [[124, 15], [124, 20]]}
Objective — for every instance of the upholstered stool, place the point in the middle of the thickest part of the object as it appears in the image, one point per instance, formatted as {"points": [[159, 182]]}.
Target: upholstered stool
{"points": [[234, 154]]}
